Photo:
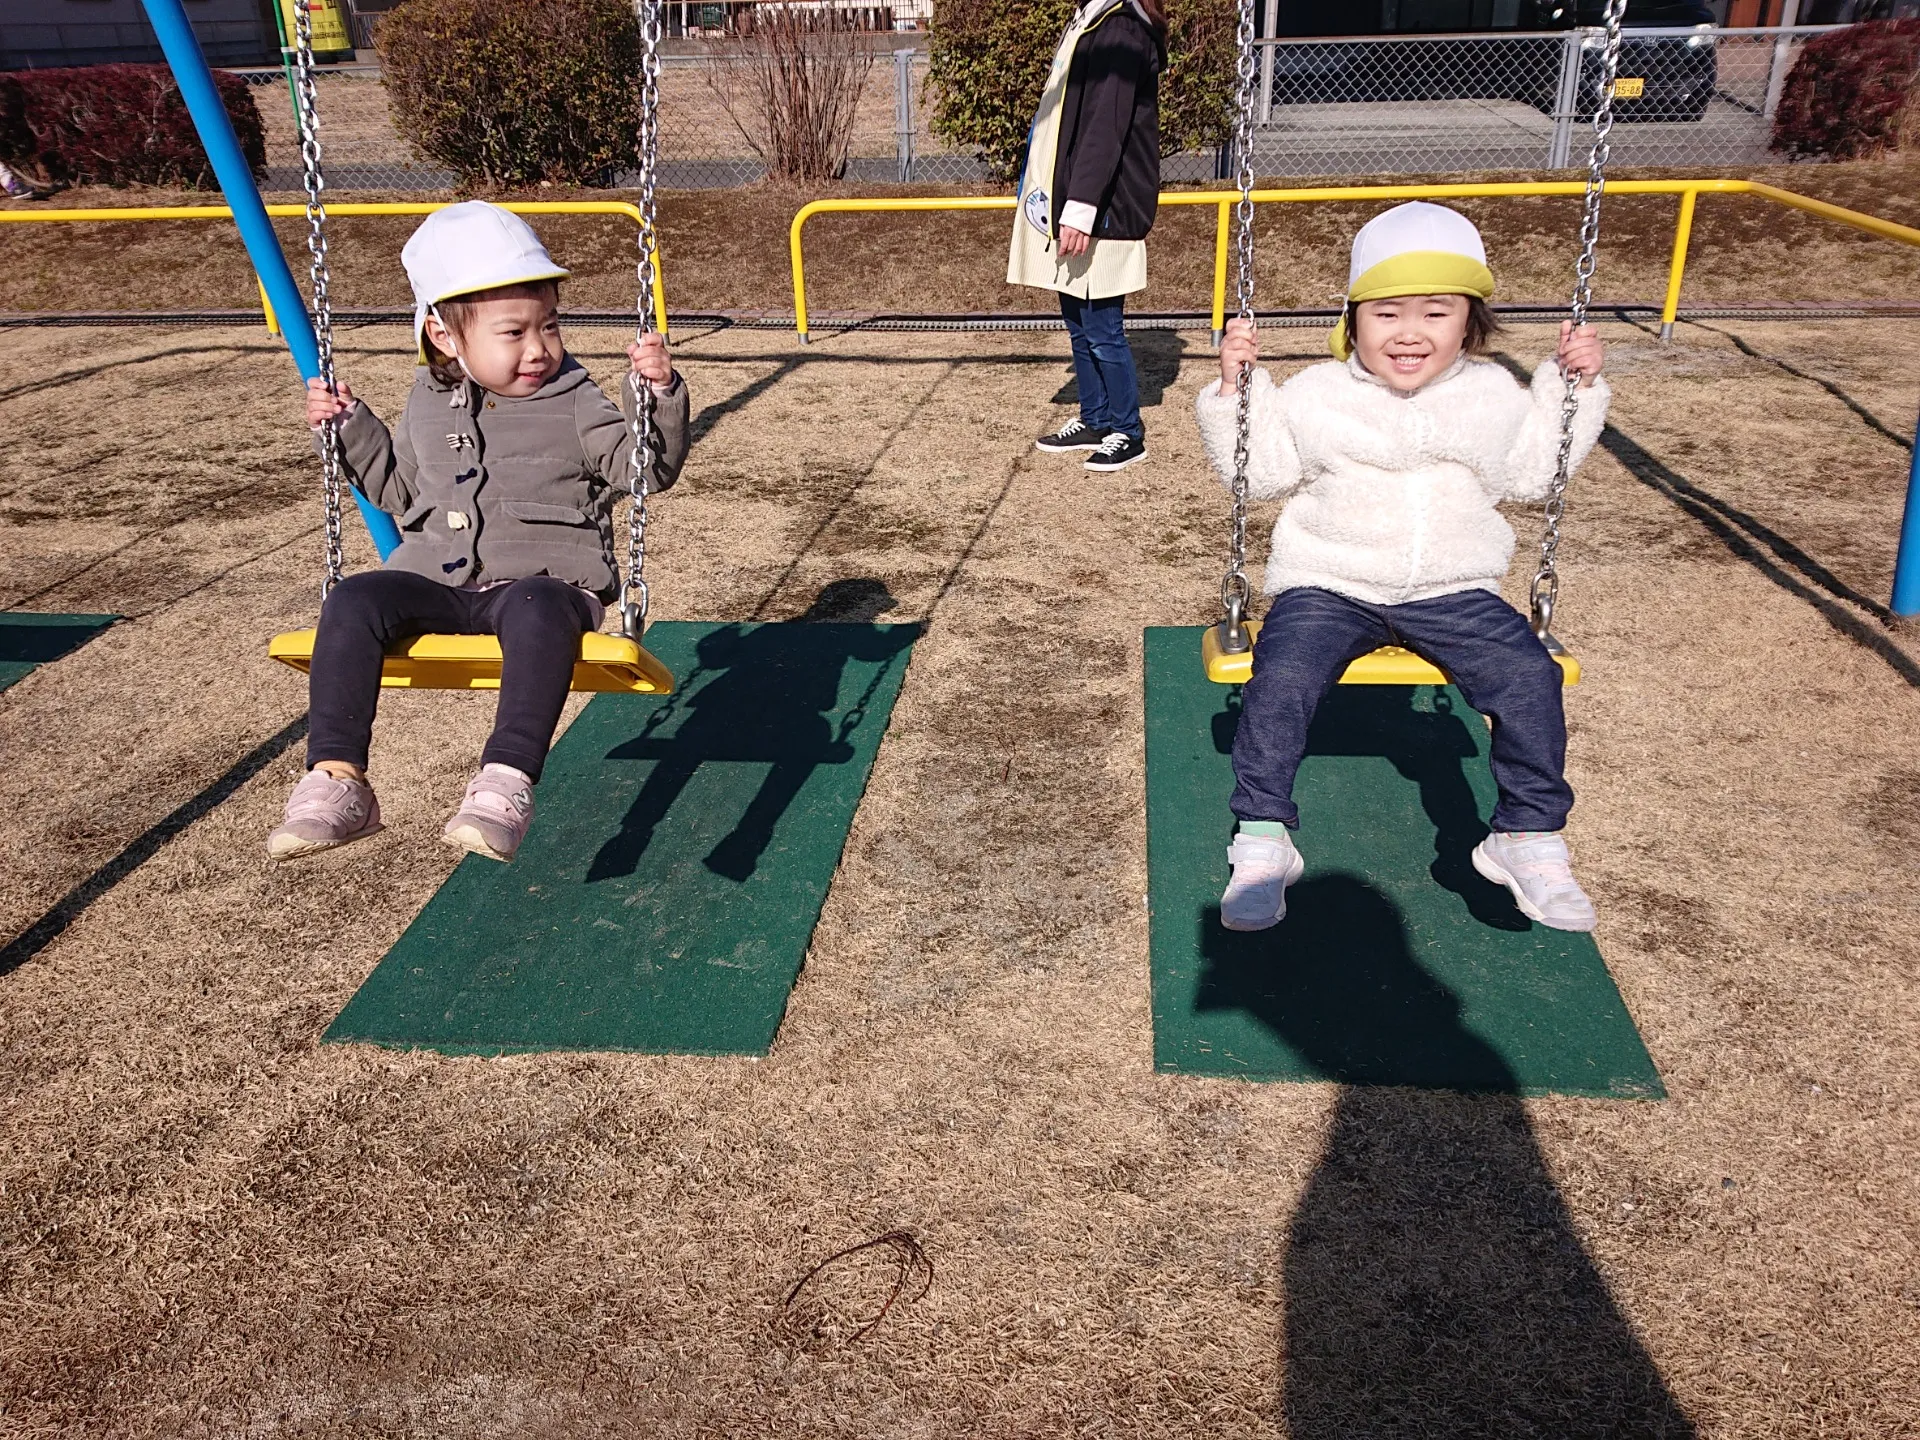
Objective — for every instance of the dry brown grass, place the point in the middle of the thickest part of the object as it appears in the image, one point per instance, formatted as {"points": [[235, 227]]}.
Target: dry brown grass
{"points": [[727, 250], [211, 1225]]}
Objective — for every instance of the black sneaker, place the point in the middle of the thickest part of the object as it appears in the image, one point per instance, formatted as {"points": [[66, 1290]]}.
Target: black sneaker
{"points": [[1116, 452], [1074, 435]]}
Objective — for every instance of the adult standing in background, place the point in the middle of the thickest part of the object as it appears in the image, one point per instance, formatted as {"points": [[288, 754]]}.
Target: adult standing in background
{"points": [[1087, 199]]}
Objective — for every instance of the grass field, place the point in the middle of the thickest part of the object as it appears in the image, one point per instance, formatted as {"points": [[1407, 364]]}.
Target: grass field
{"points": [[210, 1224], [726, 250]]}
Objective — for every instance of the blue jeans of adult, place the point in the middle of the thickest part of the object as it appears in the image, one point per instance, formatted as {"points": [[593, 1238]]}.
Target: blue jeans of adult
{"points": [[1485, 646], [1103, 365]]}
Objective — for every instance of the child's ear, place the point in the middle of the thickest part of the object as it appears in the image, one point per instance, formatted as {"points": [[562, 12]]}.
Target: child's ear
{"points": [[438, 334]]}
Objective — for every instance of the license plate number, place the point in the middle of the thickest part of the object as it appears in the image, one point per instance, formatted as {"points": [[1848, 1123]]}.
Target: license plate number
{"points": [[1626, 88]]}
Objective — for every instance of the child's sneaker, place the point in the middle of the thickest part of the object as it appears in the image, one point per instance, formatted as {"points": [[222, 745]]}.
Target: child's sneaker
{"points": [[1535, 866], [493, 818], [1263, 867], [324, 812]]}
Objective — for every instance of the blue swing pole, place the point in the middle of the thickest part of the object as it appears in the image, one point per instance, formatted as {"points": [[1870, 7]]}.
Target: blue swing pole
{"points": [[190, 72], [1906, 568]]}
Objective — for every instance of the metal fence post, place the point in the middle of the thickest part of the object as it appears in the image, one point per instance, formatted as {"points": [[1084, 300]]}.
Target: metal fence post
{"points": [[1566, 101], [903, 111], [1781, 60], [1267, 29]]}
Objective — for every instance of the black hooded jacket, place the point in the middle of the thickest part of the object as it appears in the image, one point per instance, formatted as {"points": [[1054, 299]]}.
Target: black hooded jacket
{"points": [[1109, 149]]}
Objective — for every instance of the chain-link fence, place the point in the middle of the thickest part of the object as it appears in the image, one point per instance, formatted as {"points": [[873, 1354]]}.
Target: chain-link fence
{"points": [[701, 147], [1380, 106], [1687, 98]]}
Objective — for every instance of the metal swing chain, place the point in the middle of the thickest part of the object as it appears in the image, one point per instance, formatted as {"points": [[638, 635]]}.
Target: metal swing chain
{"points": [[1545, 590], [633, 607], [1236, 593], [318, 272]]}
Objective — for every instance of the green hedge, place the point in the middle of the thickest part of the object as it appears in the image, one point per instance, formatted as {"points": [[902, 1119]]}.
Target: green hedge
{"points": [[513, 92], [990, 60]]}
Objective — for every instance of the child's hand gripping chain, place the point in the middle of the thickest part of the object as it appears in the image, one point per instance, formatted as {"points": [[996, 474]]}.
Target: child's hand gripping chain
{"points": [[650, 361]]}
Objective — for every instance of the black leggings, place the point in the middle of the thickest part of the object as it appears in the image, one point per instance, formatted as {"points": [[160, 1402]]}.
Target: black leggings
{"points": [[539, 622]]}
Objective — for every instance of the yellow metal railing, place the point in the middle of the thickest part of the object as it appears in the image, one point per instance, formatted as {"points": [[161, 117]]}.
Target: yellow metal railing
{"points": [[1689, 192], [348, 209]]}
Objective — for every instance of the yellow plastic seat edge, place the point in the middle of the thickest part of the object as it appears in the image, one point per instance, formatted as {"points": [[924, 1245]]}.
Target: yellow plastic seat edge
{"points": [[1389, 665], [606, 663]]}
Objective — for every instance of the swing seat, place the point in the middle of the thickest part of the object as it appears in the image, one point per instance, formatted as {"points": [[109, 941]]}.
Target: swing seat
{"points": [[606, 663], [1389, 665]]}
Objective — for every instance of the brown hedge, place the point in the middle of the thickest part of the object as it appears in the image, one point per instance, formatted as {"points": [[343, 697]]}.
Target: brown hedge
{"points": [[1850, 91], [117, 125]]}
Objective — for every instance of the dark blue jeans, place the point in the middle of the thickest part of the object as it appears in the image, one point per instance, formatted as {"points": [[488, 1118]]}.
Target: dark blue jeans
{"points": [[1482, 642], [539, 621], [1103, 365]]}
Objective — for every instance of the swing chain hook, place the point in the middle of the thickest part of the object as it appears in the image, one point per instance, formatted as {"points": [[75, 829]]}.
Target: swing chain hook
{"points": [[1236, 591], [1545, 589], [319, 273], [640, 457]]}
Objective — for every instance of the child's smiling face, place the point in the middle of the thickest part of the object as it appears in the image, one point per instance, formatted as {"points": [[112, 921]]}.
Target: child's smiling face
{"points": [[508, 344], [1410, 339]]}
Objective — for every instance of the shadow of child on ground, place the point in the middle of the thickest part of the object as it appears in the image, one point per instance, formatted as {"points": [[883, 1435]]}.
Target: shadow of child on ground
{"points": [[1429, 747], [1435, 1284], [759, 695]]}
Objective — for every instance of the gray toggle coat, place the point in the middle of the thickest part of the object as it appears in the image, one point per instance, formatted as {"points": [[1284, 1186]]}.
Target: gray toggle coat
{"points": [[489, 487]]}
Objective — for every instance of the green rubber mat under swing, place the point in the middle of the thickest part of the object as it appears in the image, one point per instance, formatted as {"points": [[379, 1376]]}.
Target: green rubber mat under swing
{"points": [[665, 897], [28, 641], [1397, 964]]}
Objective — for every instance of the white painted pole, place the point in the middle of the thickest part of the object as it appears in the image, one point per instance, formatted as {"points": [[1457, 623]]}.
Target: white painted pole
{"points": [[1268, 25], [1782, 57]]}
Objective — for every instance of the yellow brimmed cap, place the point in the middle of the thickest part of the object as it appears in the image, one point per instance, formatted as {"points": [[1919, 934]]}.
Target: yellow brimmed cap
{"points": [[1413, 249]]}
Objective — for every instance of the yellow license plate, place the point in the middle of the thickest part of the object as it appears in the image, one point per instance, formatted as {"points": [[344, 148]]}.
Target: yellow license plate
{"points": [[1625, 88]]}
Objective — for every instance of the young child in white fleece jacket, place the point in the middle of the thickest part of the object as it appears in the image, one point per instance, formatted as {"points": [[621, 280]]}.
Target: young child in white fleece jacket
{"points": [[1395, 456]]}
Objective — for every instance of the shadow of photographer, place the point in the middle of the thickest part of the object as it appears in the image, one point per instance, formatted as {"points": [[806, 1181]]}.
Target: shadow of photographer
{"points": [[1435, 1283]]}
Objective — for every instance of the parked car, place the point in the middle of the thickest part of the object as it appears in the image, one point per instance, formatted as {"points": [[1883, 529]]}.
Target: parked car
{"points": [[1663, 76]]}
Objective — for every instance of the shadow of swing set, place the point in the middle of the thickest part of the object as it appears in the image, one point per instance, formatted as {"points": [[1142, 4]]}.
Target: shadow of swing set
{"points": [[728, 719]]}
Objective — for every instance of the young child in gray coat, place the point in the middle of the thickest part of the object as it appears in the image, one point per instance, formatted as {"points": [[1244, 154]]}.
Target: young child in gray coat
{"points": [[503, 473]]}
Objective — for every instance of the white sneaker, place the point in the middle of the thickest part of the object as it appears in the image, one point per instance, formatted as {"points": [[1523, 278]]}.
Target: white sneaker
{"points": [[1535, 866], [1263, 867]]}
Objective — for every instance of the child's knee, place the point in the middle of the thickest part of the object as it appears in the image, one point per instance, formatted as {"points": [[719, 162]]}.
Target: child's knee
{"points": [[355, 600], [553, 602]]}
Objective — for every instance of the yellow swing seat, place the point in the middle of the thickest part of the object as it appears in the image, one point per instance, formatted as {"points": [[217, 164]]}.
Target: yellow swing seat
{"points": [[1389, 665], [606, 663]]}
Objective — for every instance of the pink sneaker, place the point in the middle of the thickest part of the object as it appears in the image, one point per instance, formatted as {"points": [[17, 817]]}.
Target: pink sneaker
{"points": [[324, 812], [493, 819]]}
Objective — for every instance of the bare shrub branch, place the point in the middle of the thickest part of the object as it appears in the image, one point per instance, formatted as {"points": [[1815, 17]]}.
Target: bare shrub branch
{"points": [[791, 85]]}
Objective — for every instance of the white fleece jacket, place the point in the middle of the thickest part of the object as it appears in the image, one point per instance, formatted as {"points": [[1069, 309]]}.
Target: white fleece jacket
{"points": [[1393, 495]]}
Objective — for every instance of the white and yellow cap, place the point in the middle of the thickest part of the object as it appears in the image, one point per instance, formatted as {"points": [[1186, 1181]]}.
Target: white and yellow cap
{"points": [[467, 247], [1413, 249]]}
